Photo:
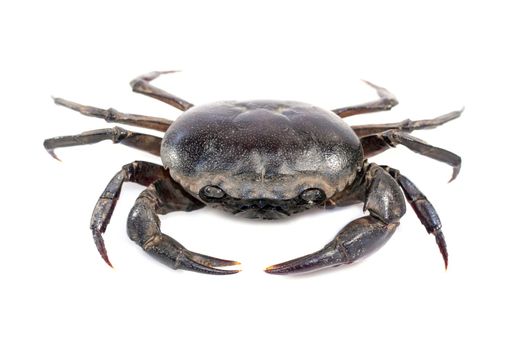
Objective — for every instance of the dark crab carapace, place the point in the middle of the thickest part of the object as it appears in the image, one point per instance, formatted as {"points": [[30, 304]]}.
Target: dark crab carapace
{"points": [[262, 159]]}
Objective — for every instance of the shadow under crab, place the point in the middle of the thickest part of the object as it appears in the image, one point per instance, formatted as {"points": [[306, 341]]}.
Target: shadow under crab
{"points": [[262, 159]]}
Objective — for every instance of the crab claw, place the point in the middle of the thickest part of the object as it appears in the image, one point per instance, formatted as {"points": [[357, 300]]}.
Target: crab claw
{"points": [[188, 260], [210, 261], [323, 258], [355, 241]]}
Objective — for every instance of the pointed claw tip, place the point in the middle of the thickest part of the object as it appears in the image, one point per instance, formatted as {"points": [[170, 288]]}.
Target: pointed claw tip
{"points": [[275, 270], [220, 272], [269, 269]]}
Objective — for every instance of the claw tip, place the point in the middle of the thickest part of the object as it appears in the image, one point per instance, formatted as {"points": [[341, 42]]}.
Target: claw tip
{"points": [[275, 270]]}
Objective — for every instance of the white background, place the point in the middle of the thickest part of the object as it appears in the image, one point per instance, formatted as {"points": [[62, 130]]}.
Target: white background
{"points": [[436, 57]]}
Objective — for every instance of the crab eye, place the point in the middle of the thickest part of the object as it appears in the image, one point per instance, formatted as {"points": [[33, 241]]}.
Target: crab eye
{"points": [[314, 195], [212, 192]]}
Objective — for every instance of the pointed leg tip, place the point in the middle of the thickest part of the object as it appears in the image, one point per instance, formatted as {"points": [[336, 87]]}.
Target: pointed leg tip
{"points": [[168, 71], [106, 259], [376, 87], [390, 99], [157, 73], [369, 83], [53, 154], [442, 245], [455, 173], [59, 101], [101, 247]]}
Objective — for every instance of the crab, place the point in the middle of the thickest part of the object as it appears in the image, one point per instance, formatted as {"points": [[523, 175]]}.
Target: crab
{"points": [[262, 159]]}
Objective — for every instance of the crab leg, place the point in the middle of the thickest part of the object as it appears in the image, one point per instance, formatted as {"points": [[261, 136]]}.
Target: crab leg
{"points": [[144, 229], [406, 125], [361, 237], [143, 142], [143, 173], [424, 210], [142, 85], [113, 116], [385, 102], [375, 144]]}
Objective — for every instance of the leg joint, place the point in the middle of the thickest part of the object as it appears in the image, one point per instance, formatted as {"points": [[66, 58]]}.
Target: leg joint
{"points": [[119, 134]]}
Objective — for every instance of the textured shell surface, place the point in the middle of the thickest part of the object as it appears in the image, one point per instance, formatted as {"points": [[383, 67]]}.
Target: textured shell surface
{"points": [[261, 149]]}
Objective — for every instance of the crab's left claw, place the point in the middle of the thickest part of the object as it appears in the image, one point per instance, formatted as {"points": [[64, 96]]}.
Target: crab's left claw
{"points": [[355, 241], [328, 256]]}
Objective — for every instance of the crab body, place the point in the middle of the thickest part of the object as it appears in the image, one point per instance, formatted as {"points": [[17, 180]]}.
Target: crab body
{"points": [[264, 152], [262, 159]]}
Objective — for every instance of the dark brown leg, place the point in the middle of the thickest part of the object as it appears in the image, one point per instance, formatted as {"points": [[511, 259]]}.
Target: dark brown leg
{"points": [[161, 197], [424, 210], [113, 116], [142, 85], [143, 142], [143, 173], [375, 144], [384, 200], [406, 125], [386, 101]]}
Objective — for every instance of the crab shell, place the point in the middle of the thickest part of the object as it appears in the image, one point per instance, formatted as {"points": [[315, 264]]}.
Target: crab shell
{"points": [[261, 149]]}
